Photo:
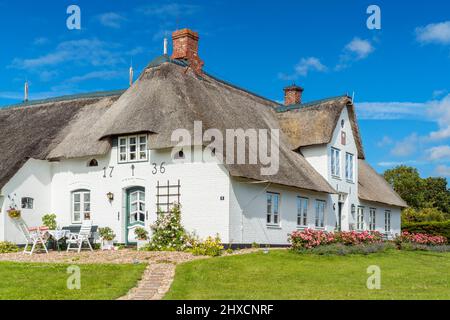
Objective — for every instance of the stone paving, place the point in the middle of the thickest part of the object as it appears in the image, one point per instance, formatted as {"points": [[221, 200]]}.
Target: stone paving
{"points": [[155, 283]]}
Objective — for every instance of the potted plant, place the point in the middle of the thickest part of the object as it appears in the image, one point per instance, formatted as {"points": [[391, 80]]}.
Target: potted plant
{"points": [[107, 236], [141, 236], [14, 213]]}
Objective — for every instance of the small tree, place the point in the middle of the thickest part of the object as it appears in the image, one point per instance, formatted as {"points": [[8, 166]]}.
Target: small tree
{"points": [[49, 220]]}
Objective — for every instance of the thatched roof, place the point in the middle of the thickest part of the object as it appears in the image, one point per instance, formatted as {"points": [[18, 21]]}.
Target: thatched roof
{"points": [[314, 123], [35, 129], [373, 187], [168, 96]]}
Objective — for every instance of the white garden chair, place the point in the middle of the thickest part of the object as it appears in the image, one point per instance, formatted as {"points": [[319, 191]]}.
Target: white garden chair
{"points": [[33, 236], [77, 239]]}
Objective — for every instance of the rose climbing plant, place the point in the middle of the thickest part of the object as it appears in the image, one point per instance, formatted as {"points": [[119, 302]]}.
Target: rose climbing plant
{"points": [[168, 233]]}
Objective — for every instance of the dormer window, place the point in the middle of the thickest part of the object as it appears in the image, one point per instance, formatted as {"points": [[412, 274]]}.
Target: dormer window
{"points": [[133, 149]]}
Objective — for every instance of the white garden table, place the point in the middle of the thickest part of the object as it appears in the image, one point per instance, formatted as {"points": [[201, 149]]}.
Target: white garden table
{"points": [[58, 235]]}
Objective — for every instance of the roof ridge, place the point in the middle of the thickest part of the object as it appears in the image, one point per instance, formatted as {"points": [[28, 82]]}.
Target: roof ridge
{"points": [[309, 104], [69, 97], [167, 59]]}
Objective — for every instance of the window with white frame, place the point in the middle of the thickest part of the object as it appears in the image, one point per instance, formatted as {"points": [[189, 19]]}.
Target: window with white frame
{"points": [[320, 214], [349, 160], [137, 206], [302, 212], [360, 219], [81, 206], [273, 208], [133, 148], [387, 221], [335, 162], [372, 219]]}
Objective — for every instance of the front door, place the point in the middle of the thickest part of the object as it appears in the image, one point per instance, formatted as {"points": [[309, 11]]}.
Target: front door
{"points": [[135, 212]]}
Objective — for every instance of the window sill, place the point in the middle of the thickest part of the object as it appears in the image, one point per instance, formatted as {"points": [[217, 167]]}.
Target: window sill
{"points": [[350, 181], [336, 177], [302, 227], [128, 162], [273, 226]]}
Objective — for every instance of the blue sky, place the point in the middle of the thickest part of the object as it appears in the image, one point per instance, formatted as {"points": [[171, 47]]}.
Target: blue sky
{"points": [[400, 74]]}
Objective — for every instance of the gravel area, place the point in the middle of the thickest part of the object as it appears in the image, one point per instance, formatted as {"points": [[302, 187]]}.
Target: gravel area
{"points": [[119, 256]]}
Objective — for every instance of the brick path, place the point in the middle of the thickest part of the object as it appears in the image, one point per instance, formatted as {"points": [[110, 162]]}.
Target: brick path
{"points": [[155, 283]]}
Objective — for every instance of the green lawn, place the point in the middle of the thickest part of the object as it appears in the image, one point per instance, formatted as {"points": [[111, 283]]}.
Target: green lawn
{"points": [[282, 274], [33, 281]]}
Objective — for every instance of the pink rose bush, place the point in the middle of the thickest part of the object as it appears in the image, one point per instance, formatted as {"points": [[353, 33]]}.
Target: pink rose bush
{"points": [[421, 238], [309, 238], [354, 238]]}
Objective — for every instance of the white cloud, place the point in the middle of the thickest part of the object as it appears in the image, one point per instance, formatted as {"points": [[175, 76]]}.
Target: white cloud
{"points": [[434, 33], [443, 170], [392, 110], [41, 41], [357, 49], [406, 147], [48, 75], [360, 48], [169, 10], [385, 142], [390, 164], [438, 153], [103, 75], [305, 66], [439, 110], [85, 51], [111, 20]]}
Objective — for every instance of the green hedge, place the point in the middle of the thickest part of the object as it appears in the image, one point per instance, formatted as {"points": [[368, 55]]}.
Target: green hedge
{"points": [[433, 228]]}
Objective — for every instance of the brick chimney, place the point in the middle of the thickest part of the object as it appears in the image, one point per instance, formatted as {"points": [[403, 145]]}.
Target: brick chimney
{"points": [[185, 46], [293, 95]]}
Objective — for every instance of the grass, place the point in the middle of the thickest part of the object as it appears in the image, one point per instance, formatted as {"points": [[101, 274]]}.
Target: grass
{"points": [[35, 281], [283, 274]]}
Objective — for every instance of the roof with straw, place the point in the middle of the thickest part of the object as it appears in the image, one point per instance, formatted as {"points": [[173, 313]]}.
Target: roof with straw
{"points": [[169, 96]]}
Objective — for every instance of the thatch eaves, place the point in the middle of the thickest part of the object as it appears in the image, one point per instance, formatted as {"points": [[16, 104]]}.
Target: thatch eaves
{"points": [[374, 188], [35, 129]]}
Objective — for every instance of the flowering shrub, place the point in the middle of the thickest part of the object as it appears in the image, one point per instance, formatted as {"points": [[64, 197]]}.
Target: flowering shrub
{"points": [[168, 233], [210, 247], [420, 238], [308, 238], [353, 237], [8, 247]]}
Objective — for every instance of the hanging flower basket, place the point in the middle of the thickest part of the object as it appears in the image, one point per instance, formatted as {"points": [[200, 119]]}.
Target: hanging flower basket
{"points": [[14, 214]]}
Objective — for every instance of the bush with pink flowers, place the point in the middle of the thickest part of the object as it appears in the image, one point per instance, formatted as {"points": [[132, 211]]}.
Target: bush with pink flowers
{"points": [[354, 238], [420, 238], [308, 238]]}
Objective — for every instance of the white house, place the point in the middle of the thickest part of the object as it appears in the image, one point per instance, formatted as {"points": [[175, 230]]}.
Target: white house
{"points": [[109, 157]]}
